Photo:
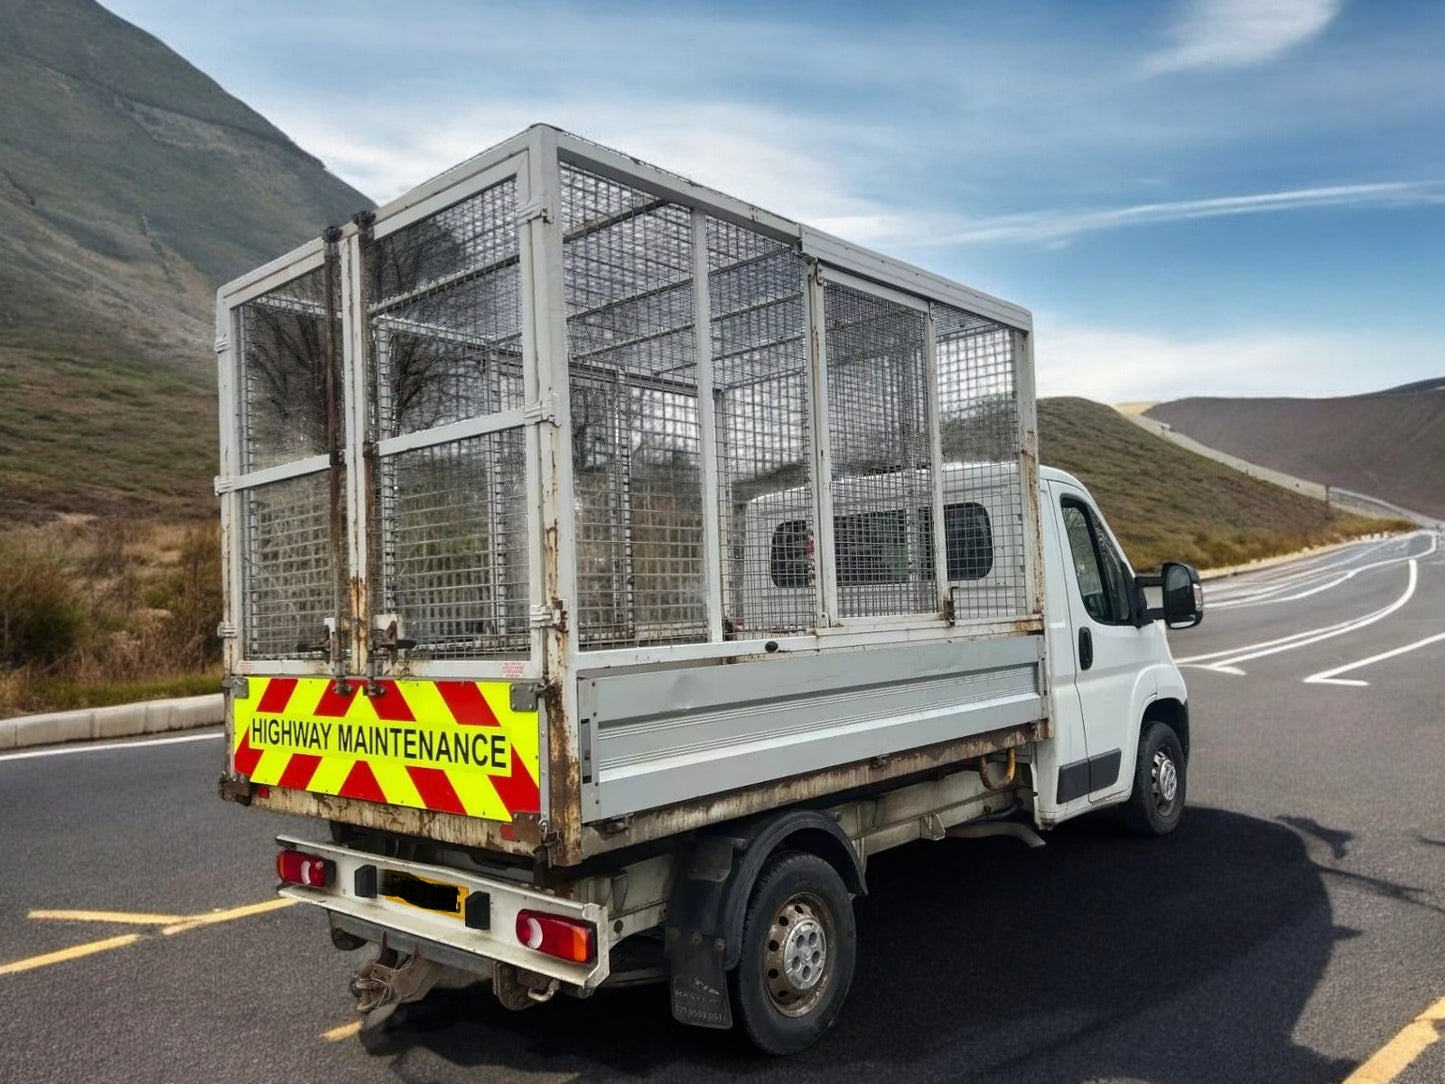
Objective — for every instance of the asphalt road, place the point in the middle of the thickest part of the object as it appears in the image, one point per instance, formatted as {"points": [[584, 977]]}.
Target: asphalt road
{"points": [[1289, 930]]}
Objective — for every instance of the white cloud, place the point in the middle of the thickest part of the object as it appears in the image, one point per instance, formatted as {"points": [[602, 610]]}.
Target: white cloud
{"points": [[1058, 225], [1236, 33], [397, 147], [1112, 365]]}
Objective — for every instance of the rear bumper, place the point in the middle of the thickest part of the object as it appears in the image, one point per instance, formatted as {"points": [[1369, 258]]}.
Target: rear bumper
{"points": [[463, 945]]}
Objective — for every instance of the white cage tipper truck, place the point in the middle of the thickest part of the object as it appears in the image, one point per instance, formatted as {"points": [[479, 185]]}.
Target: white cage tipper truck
{"points": [[612, 567]]}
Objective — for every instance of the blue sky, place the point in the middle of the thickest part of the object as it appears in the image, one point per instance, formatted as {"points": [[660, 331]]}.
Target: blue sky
{"points": [[1233, 197]]}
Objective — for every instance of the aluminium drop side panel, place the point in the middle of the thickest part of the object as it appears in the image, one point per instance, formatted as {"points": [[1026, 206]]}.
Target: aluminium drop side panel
{"points": [[675, 735]]}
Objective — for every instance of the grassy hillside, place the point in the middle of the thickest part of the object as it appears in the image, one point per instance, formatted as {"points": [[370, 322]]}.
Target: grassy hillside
{"points": [[131, 185], [105, 437], [1388, 445], [1166, 503]]}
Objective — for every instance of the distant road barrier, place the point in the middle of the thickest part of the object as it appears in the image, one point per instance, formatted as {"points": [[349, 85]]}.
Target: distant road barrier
{"points": [[1344, 499], [120, 721]]}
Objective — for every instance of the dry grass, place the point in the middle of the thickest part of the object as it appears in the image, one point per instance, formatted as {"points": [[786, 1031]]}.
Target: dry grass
{"points": [[99, 611]]}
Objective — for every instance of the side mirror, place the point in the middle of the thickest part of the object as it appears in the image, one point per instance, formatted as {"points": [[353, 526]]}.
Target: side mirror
{"points": [[1181, 594]]}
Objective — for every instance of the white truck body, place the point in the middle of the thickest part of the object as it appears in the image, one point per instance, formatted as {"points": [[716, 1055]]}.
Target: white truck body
{"points": [[601, 549]]}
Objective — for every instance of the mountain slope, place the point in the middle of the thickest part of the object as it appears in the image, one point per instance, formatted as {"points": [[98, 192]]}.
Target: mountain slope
{"points": [[131, 186], [1167, 503], [1389, 444]]}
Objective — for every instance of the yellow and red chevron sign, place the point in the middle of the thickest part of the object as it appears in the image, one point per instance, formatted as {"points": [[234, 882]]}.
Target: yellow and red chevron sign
{"points": [[450, 746]]}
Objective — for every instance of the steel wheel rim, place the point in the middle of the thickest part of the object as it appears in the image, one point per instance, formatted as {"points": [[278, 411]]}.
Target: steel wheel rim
{"points": [[1166, 781], [798, 962]]}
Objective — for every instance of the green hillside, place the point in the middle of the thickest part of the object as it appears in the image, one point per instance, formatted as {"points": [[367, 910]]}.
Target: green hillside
{"points": [[1166, 503], [131, 186]]}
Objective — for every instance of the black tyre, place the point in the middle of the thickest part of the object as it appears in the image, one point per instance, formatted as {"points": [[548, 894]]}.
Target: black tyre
{"points": [[799, 949], [1157, 803]]}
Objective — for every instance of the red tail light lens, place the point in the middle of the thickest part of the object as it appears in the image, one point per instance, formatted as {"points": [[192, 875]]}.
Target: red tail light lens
{"points": [[565, 938], [297, 868]]}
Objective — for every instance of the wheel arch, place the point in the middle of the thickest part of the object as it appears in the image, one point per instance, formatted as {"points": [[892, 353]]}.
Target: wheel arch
{"points": [[1173, 713]]}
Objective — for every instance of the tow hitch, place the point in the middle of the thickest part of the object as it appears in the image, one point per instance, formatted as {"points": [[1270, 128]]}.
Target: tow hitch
{"points": [[383, 986]]}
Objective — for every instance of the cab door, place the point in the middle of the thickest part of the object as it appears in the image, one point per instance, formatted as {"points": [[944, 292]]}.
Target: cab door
{"points": [[1111, 655]]}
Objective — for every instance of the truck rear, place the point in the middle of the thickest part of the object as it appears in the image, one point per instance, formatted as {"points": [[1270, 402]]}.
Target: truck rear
{"points": [[604, 556]]}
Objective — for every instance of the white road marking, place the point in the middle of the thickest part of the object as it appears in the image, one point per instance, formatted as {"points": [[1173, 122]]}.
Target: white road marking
{"points": [[1269, 594], [1230, 664], [1330, 677], [91, 747]]}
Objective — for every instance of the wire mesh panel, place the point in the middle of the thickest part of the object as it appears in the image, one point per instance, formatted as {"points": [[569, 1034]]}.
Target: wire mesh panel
{"points": [[760, 377], [881, 476], [288, 568], [284, 356], [627, 274], [444, 310], [979, 427], [456, 560], [288, 370]]}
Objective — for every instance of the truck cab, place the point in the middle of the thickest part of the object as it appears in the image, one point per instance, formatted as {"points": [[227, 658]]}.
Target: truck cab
{"points": [[1112, 677]]}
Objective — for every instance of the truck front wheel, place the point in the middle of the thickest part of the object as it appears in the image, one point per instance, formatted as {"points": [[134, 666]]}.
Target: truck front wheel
{"points": [[799, 948], [1157, 803]]}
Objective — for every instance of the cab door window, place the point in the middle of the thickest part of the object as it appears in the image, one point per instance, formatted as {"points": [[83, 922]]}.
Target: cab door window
{"points": [[1102, 575]]}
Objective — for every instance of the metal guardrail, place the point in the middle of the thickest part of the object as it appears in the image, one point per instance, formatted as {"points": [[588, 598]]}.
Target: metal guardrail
{"points": [[1344, 499]]}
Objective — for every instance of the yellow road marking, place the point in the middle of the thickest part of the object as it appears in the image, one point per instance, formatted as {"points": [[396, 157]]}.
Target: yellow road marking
{"points": [[195, 921], [345, 1031], [124, 918], [1394, 1057], [75, 952], [170, 924]]}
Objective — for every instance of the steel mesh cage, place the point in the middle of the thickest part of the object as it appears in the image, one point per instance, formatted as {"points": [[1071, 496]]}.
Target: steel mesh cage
{"points": [[456, 561], [979, 429], [627, 276], [284, 353], [288, 568], [881, 453], [288, 553], [444, 312], [756, 288]]}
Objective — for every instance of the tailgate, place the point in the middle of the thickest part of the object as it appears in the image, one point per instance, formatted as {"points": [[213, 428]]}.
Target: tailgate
{"points": [[447, 746]]}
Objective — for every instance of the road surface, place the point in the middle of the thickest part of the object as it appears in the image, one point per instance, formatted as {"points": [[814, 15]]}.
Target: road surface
{"points": [[1291, 929]]}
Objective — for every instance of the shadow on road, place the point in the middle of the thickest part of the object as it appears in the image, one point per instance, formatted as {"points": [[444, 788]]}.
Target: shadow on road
{"points": [[1184, 960]]}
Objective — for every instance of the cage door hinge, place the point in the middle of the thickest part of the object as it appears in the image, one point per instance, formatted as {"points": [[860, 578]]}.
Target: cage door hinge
{"points": [[543, 410], [223, 343], [529, 212]]}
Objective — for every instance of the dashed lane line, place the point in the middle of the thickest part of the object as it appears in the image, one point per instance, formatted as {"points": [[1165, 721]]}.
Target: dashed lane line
{"points": [[1399, 1053], [170, 924]]}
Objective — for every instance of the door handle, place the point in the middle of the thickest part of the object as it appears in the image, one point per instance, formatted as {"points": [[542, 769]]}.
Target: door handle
{"points": [[1086, 649]]}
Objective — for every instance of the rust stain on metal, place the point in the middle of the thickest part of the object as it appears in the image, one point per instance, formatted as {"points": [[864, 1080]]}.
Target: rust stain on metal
{"points": [[565, 771], [689, 816], [403, 820]]}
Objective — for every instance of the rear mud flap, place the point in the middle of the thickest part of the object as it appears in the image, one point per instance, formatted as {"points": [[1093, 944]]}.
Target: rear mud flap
{"points": [[699, 980]]}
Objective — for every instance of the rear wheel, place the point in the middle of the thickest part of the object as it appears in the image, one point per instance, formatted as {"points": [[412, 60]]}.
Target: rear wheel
{"points": [[1157, 803], [798, 953]]}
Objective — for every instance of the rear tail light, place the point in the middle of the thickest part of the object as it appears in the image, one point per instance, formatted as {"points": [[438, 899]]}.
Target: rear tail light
{"points": [[297, 868], [565, 938]]}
